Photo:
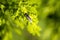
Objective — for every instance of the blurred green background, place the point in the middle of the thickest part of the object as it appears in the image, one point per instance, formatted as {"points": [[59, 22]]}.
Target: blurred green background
{"points": [[29, 19]]}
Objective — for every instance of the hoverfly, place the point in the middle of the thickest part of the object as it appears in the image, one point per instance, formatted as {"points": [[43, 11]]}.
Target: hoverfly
{"points": [[28, 17]]}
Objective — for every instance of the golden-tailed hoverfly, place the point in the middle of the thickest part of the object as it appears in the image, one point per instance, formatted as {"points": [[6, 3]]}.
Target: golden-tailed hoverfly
{"points": [[28, 17]]}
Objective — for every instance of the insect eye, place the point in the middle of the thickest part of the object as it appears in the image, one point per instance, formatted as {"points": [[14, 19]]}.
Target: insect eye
{"points": [[26, 14]]}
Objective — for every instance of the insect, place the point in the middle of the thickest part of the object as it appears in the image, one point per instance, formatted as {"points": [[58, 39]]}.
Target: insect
{"points": [[28, 17]]}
